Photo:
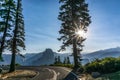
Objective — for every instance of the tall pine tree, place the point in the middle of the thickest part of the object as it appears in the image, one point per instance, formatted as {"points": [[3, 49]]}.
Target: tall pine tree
{"points": [[68, 60], [59, 60], [17, 41], [65, 60], [7, 9], [74, 17], [56, 60]]}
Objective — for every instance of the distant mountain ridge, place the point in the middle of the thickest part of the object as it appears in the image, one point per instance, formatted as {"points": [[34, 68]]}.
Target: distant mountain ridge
{"points": [[111, 52], [47, 57]]}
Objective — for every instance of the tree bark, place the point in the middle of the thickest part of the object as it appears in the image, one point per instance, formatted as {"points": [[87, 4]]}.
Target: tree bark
{"points": [[75, 52], [12, 65], [14, 46]]}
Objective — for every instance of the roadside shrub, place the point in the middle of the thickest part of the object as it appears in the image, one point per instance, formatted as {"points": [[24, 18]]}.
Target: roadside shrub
{"points": [[17, 64], [1, 70], [106, 65]]}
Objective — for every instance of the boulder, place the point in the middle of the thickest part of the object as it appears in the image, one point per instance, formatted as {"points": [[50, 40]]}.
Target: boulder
{"points": [[95, 74]]}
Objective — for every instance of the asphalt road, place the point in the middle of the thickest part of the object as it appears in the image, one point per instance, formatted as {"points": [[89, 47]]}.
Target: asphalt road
{"points": [[52, 73]]}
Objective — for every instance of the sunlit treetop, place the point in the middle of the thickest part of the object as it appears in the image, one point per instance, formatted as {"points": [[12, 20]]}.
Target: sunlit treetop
{"points": [[75, 18]]}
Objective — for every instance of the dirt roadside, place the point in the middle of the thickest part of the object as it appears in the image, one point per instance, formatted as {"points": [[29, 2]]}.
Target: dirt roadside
{"points": [[18, 75]]}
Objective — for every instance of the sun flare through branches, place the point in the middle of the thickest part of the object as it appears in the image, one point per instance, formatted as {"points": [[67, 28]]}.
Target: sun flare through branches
{"points": [[81, 33]]}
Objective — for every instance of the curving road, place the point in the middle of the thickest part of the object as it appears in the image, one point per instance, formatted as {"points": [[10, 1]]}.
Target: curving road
{"points": [[52, 73]]}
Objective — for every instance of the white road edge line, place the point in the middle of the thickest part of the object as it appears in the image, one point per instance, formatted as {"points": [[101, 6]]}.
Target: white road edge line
{"points": [[35, 75], [55, 74]]}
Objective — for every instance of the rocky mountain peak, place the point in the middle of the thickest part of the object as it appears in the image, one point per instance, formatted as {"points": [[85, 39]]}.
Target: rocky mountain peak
{"points": [[48, 50]]}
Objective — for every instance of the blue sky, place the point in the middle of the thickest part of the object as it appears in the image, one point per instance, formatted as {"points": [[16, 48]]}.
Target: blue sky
{"points": [[42, 25]]}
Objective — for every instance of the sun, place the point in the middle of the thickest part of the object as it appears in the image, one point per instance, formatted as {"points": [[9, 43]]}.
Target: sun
{"points": [[81, 33]]}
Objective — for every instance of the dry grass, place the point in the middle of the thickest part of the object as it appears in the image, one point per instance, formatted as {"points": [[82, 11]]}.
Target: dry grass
{"points": [[20, 74]]}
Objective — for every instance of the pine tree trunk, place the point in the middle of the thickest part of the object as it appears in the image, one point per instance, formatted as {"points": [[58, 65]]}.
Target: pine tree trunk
{"points": [[75, 52], [12, 65], [14, 46], [4, 35], [76, 64]]}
